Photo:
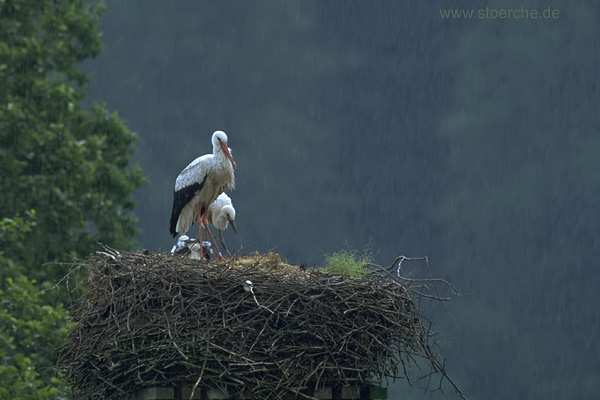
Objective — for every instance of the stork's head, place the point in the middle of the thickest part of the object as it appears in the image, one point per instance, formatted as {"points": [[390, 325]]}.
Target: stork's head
{"points": [[219, 142], [226, 215]]}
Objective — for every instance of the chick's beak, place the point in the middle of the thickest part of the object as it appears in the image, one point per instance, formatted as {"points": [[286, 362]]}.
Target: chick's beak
{"points": [[232, 225]]}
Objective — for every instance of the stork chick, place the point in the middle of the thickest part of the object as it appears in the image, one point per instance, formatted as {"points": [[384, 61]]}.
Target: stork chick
{"points": [[220, 214]]}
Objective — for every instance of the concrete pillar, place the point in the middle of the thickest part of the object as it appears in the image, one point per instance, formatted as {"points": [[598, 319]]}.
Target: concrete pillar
{"points": [[330, 393]]}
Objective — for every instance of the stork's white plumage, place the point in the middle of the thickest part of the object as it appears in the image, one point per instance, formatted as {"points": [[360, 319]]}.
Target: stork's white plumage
{"points": [[199, 184], [220, 214]]}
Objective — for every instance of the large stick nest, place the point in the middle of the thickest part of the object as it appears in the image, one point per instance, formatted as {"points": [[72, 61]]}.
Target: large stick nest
{"points": [[147, 320]]}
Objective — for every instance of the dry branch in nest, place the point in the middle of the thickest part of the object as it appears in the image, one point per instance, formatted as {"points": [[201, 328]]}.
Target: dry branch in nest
{"points": [[255, 325]]}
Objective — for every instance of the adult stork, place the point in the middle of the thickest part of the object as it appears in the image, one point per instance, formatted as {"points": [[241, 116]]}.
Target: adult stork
{"points": [[198, 185], [220, 214]]}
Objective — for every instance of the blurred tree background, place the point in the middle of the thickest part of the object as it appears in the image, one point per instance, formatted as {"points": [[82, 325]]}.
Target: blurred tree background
{"points": [[65, 183], [474, 142]]}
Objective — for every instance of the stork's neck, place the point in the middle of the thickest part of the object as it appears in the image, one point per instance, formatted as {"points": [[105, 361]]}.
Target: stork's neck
{"points": [[222, 158]]}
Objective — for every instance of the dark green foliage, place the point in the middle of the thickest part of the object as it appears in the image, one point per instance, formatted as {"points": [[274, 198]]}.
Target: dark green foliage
{"points": [[65, 181], [30, 331], [32, 324], [67, 163]]}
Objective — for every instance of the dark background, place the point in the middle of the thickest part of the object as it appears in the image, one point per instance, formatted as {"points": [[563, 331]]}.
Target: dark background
{"points": [[382, 125]]}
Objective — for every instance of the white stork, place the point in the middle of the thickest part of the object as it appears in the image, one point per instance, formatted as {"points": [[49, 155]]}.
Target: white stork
{"points": [[220, 214], [198, 185]]}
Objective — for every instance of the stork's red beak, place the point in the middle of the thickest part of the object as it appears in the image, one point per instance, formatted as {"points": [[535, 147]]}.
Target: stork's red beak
{"points": [[228, 154]]}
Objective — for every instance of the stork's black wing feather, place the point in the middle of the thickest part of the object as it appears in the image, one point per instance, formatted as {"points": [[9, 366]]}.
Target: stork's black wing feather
{"points": [[180, 198]]}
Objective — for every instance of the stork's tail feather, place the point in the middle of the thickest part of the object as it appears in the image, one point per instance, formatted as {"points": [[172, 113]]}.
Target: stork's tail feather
{"points": [[172, 229], [174, 217]]}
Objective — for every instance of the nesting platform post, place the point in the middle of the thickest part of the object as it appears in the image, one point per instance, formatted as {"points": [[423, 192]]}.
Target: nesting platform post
{"points": [[368, 392]]}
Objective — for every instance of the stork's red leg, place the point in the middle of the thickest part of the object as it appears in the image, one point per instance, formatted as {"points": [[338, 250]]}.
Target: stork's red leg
{"points": [[219, 257], [199, 221]]}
